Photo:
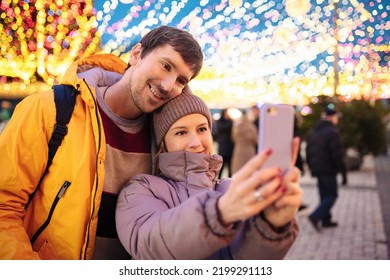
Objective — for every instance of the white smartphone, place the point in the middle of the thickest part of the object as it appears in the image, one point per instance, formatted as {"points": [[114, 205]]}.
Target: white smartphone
{"points": [[276, 129]]}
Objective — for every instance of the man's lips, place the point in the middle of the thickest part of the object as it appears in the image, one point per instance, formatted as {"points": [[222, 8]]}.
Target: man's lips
{"points": [[156, 93]]}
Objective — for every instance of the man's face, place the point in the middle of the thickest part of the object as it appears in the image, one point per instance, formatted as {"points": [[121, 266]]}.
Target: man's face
{"points": [[335, 119], [156, 78]]}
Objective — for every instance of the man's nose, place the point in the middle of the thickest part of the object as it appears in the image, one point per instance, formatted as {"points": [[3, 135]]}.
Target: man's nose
{"points": [[168, 83]]}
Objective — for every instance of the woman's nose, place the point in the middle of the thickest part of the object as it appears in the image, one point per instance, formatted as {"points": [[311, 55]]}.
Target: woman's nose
{"points": [[194, 141]]}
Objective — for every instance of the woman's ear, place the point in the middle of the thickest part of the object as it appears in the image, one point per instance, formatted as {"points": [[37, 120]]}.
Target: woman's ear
{"points": [[163, 148], [135, 54]]}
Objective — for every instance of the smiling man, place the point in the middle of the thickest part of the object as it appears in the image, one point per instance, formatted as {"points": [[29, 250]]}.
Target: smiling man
{"points": [[109, 140]]}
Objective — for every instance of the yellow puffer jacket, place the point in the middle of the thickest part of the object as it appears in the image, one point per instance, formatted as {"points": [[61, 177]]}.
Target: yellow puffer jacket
{"points": [[79, 161]]}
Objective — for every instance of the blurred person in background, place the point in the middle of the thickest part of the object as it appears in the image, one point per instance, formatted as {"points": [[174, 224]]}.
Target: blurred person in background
{"points": [[223, 136], [256, 115], [244, 135], [300, 162], [324, 156]]}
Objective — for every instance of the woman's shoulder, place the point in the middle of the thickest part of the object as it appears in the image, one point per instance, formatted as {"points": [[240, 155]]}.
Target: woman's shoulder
{"points": [[155, 187], [147, 179], [151, 182]]}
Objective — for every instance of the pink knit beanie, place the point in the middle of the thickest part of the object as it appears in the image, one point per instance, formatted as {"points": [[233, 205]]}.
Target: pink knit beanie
{"points": [[184, 104]]}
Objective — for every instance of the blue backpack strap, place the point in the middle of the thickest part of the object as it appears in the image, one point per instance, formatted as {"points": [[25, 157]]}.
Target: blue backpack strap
{"points": [[65, 100]]}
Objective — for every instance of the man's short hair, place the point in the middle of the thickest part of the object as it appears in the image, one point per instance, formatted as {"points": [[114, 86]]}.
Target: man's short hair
{"points": [[180, 40], [330, 110]]}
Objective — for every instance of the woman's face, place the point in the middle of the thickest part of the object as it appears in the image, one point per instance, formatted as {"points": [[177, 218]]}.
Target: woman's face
{"points": [[190, 133]]}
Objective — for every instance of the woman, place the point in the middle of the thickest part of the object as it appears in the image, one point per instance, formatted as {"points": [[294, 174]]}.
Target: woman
{"points": [[187, 213], [244, 135]]}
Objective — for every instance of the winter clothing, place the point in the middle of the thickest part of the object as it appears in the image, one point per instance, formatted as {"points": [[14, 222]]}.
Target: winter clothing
{"points": [[80, 160], [184, 104], [245, 136], [155, 213], [223, 136], [324, 153], [325, 159]]}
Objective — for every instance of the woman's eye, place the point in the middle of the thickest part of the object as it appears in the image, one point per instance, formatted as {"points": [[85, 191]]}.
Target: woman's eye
{"points": [[180, 133]]}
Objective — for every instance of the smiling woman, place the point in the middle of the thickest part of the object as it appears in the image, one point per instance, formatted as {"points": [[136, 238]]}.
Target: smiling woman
{"points": [[190, 133], [184, 125], [152, 211]]}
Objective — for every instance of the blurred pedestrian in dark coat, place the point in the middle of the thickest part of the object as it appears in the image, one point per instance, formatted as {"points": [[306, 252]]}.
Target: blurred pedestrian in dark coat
{"points": [[325, 159], [223, 136]]}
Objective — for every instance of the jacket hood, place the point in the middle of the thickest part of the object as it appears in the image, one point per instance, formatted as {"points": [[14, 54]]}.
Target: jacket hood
{"points": [[108, 62], [199, 169], [98, 70]]}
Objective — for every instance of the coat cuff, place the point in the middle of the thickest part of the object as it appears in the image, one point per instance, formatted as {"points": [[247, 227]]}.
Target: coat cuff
{"points": [[269, 232], [213, 220]]}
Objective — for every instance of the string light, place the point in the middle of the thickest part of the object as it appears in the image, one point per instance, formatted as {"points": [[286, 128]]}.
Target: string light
{"points": [[277, 50], [39, 38]]}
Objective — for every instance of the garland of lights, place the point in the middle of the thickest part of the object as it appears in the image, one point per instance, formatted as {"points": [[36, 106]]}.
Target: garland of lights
{"points": [[255, 51], [39, 38]]}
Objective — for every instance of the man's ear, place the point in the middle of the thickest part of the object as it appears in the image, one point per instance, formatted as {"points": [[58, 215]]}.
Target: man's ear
{"points": [[135, 54]]}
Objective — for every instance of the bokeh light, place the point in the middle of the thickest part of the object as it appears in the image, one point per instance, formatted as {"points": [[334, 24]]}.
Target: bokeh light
{"points": [[39, 39], [256, 51], [268, 51]]}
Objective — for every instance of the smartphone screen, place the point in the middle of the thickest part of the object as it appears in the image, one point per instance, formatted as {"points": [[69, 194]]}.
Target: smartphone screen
{"points": [[276, 129]]}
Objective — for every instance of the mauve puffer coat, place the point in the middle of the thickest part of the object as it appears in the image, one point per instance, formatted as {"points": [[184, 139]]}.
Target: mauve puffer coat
{"points": [[175, 216]]}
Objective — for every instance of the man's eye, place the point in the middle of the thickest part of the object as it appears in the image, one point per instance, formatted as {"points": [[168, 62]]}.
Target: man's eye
{"points": [[182, 82], [166, 66]]}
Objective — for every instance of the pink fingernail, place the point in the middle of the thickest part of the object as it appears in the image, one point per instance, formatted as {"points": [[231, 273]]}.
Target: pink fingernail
{"points": [[268, 152]]}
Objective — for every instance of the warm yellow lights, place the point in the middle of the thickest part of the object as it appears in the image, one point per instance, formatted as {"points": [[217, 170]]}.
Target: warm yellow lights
{"points": [[255, 51], [58, 35], [235, 3], [297, 8]]}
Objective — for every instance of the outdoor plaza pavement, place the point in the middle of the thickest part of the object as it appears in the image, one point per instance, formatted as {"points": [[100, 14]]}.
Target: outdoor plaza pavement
{"points": [[362, 211]]}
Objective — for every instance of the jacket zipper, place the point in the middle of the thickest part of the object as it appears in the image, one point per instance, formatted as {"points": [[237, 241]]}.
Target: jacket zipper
{"points": [[60, 194], [97, 177]]}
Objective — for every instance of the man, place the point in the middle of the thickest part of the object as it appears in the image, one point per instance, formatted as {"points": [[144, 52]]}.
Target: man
{"points": [[108, 141], [324, 157]]}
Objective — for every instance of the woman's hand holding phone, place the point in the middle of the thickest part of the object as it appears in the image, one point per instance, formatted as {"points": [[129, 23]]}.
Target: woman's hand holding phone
{"points": [[251, 191], [284, 209]]}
